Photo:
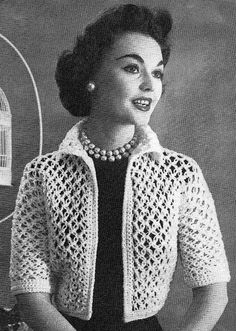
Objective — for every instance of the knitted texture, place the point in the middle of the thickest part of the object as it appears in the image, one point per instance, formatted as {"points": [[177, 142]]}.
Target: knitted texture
{"points": [[167, 208]]}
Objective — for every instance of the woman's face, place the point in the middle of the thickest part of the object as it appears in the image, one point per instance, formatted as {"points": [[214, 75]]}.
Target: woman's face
{"points": [[129, 80]]}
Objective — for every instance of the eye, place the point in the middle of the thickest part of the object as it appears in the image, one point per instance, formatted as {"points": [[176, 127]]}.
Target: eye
{"points": [[132, 68], [158, 74]]}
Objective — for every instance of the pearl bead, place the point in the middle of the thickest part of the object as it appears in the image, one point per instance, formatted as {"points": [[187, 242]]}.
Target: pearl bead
{"points": [[111, 158], [91, 146], [86, 148], [97, 149], [103, 152], [126, 154], [122, 150], [103, 158], [118, 157], [127, 146], [91, 152], [132, 142], [97, 156], [116, 152], [109, 153], [87, 141]]}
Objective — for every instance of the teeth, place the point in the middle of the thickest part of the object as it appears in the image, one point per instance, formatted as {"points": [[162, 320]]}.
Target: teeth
{"points": [[142, 102]]}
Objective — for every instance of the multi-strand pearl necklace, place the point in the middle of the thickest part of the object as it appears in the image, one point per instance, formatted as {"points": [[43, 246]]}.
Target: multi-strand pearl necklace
{"points": [[104, 155]]}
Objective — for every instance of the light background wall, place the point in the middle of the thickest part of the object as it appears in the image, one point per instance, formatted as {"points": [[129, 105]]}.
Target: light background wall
{"points": [[196, 116]]}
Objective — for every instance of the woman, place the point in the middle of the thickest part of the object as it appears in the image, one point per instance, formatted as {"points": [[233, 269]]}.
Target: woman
{"points": [[98, 223]]}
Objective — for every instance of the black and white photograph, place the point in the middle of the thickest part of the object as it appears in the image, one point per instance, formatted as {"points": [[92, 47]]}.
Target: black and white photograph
{"points": [[117, 165]]}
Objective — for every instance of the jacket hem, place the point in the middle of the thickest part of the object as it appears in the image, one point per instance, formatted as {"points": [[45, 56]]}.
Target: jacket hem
{"points": [[127, 318], [140, 316]]}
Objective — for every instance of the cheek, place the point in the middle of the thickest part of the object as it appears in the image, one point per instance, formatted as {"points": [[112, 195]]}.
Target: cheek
{"points": [[124, 82], [113, 85], [121, 88]]}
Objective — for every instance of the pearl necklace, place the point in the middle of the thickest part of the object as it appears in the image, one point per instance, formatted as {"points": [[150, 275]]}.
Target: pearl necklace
{"points": [[104, 155]]}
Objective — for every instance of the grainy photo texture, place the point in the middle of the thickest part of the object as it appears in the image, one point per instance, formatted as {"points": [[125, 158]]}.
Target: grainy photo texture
{"points": [[117, 165]]}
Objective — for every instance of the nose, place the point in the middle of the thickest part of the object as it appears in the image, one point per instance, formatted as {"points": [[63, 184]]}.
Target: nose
{"points": [[146, 84]]}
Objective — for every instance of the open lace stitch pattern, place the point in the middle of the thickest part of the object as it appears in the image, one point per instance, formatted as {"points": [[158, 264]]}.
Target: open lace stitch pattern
{"points": [[173, 211], [170, 207]]}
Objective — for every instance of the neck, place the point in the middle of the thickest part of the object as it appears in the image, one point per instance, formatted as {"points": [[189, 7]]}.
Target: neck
{"points": [[108, 135]]}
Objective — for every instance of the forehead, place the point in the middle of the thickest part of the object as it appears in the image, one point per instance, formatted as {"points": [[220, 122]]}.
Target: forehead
{"points": [[143, 45]]}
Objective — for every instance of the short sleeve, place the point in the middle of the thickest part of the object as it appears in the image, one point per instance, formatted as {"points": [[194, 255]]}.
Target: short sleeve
{"points": [[200, 241], [29, 262]]}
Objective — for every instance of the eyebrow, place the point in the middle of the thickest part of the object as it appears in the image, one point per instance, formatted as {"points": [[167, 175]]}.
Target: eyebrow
{"points": [[137, 57]]}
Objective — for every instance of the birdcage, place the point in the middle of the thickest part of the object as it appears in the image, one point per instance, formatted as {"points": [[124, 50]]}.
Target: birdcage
{"points": [[5, 141]]}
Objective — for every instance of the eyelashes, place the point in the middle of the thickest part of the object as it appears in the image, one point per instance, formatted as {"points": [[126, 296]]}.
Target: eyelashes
{"points": [[158, 74], [134, 69]]}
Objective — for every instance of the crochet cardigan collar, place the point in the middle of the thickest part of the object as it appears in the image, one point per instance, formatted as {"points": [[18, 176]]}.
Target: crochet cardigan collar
{"points": [[147, 143]]}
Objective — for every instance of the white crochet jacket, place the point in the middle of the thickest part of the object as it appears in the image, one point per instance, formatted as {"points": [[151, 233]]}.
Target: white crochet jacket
{"points": [[167, 209]]}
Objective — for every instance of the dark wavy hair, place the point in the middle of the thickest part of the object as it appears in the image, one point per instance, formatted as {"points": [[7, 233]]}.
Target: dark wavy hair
{"points": [[75, 68]]}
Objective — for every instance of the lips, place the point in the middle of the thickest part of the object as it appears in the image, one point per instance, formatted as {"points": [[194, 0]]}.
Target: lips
{"points": [[142, 103]]}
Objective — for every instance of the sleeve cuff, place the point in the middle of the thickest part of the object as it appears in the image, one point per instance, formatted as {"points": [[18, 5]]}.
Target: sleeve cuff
{"points": [[26, 286], [207, 280]]}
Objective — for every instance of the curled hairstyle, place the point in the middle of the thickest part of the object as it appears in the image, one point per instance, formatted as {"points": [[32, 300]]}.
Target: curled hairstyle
{"points": [[75, 68]]}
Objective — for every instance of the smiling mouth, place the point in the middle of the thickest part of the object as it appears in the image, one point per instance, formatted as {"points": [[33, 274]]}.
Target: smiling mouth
{"points": [[142, 104]]}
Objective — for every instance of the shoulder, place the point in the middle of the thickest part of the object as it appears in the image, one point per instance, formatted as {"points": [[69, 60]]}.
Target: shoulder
{"points": [[52, 164], [41, 161], [180, 159], [179, 164], [46, 163]]}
